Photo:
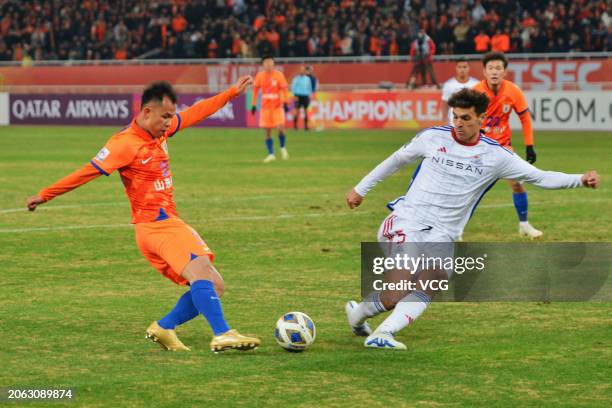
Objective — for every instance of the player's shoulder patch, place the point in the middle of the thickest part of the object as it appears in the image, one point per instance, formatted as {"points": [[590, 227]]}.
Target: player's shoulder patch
{"points": [[102, 154]]}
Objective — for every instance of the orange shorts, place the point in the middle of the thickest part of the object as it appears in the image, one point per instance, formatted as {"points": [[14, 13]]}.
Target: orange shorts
{"points": [[271, 118], [169, 245]]}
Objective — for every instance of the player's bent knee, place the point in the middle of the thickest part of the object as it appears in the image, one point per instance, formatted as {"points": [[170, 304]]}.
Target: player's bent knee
{"points": [[202, 268], [517, 187], [391, 298], [219, 285], [199, 268]]}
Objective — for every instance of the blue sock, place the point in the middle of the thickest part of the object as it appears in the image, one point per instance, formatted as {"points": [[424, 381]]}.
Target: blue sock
{"points": [[182, 312], [207, 302], [270, 145], [281, 138], [521, 204]]}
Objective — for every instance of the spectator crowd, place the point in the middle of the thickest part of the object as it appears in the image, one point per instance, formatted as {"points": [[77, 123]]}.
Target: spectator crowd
{"points": [[110, 29]]}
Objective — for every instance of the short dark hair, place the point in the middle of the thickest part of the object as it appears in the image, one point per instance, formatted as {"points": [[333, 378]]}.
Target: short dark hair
{"points": [[156, 91], [469, 98], [265, 57], [462, 59], [494, 56]]}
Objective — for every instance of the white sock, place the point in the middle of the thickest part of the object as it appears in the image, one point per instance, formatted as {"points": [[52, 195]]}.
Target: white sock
{"points": [[406, 311], [370, 307]]}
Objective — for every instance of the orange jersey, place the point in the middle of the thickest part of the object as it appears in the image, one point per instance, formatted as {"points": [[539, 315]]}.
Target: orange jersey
{"points": [[144, 167], [508, 98], [273, 88], [143, 163]]}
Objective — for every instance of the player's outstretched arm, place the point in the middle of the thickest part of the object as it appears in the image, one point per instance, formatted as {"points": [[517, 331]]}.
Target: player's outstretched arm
{"points": [[76, 179], [515, 168], [207, 107], [522, 110]]}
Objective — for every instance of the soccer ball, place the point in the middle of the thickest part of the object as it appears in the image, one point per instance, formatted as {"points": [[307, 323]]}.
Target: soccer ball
{"points": [[295, 331]]}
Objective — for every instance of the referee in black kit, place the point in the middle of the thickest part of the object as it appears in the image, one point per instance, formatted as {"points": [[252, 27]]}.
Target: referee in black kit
{"points": [[303, 86]]}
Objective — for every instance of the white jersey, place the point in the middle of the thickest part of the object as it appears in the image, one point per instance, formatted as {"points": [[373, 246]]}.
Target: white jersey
{"points": [[453, 177], [450, 87]]}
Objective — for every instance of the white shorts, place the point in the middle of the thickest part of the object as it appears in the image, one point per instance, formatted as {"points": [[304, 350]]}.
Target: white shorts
{"points": [[400, 237], [398, 230]]}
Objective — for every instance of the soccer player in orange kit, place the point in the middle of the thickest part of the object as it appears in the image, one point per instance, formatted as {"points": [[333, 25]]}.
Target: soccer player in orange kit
{"points": [[140, 153], [273, 85], [504, 97]]}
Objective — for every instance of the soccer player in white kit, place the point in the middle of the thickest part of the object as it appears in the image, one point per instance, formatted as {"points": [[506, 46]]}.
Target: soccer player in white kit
{"points": [[459, 165], [461, 80]]}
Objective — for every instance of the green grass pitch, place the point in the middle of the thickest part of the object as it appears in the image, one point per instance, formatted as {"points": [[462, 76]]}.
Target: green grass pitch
{"points": [[76, 295]]}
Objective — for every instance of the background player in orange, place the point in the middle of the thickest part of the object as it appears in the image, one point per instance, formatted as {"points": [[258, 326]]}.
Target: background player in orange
{"points": [[504, 97], [273, 86], [140, 153]]}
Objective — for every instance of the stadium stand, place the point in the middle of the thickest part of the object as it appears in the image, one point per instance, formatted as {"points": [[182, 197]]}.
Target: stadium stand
{"points": [[94, 30]]}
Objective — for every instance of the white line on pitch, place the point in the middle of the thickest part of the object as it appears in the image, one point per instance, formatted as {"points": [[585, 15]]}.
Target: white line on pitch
{"points": [[179, 201], [215, 220]]}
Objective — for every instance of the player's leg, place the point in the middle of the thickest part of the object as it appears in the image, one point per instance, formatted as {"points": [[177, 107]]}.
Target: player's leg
{"points": [[296, 113], [405, 312], [279, 122], [306, 105], [269, 145], [282, 138], [185, 251], [423, 72], [162, 331], [201, 275], [185, 310], [409, 305], [521, 204], [375, 303], [412, 305], [172, 246], [413, 74], [266, 123], [432, 74], [372, 305]]}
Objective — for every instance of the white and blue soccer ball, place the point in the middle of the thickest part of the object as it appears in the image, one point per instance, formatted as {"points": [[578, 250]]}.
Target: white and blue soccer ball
{"points": [[295, 331]]}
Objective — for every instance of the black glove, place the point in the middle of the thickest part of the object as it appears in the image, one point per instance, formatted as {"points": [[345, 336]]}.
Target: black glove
{"points": [[253, 110], [530, 154], [286, 107]]}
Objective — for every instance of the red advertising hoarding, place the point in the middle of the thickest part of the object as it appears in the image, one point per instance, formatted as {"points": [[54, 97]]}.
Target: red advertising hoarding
{"points": [[376, 110], [541, 75]]}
